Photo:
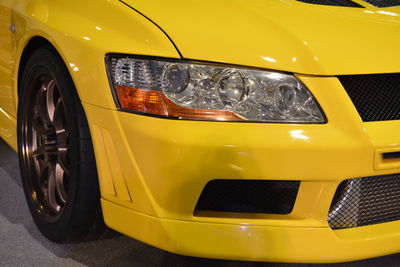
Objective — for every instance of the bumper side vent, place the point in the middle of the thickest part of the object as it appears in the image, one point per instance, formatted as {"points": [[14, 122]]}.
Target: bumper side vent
{"points": [[375, 96], [345, 3], [249, 196], [366, 201]]}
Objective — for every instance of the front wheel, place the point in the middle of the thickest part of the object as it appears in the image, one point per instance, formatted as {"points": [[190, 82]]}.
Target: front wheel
{"points": [[56, 156]]}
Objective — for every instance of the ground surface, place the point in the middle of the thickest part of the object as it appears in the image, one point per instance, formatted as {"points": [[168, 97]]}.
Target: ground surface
{"points": [[22, 245]]}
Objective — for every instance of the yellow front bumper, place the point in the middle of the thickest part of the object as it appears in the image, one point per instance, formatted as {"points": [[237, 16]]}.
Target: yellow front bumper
{"points": [[152, 172], [255, 242]]}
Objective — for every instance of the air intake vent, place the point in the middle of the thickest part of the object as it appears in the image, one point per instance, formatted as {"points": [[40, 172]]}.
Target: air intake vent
{"points": [[376, 96], [366, 201], [346, 3], [384, 3], [249, 196]]}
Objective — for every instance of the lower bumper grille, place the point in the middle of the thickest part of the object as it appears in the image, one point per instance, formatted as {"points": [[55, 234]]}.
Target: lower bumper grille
{"points": [[366, 201], [249, 196]]}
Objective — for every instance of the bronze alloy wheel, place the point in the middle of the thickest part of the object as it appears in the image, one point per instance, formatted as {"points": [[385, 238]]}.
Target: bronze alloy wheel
{"points": [[45, 140], [58, 167]]}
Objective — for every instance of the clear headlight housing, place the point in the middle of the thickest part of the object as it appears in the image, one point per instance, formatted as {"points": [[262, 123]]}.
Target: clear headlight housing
{"points": [[189, 90]]}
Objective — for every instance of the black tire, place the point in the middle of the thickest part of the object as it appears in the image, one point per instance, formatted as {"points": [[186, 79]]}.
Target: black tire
{"points": [[58, 172]]}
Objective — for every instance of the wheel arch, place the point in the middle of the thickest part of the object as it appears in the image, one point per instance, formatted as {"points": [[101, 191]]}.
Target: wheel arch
{"points": [[34, 43]]}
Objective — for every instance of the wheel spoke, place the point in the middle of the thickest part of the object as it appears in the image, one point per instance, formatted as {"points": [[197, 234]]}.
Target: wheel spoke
{"points": [[58, 118], [50, 99], [42, 176], [37, 125], [38, 152], [63, 160], [59, 175], [59, 125], [51, 190], [62, 138], [41, 105]]}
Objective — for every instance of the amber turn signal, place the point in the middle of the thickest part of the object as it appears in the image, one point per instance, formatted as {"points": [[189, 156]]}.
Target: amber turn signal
{"points": [[156, 103]]}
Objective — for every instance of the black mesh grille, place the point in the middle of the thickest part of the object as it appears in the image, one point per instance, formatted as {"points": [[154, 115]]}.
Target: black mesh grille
{"points": [[366, 201], [376, 96], [249, 196], [346, 3], [383, 3]]}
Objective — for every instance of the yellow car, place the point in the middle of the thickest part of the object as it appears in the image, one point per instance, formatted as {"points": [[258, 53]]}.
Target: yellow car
{"points": [[250, 130]]}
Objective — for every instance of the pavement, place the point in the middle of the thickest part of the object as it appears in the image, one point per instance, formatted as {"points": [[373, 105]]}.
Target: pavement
{"points": [[21, 244]]}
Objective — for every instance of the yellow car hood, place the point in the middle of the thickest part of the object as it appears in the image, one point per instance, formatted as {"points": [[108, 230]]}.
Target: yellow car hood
{"points": [[281, 34]]}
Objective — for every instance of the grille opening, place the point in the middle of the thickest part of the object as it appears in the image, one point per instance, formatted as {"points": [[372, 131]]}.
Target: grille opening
{"points": [[391, 155], [342, 3], [383, 3], [365, 201], [375, 96], [249, 196]]}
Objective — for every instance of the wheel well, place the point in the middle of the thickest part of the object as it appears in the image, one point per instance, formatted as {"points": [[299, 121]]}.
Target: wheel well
{"points": [[33, 44]]}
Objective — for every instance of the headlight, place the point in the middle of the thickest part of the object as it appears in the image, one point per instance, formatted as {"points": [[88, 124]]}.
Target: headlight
{"points": [[186, 90]]}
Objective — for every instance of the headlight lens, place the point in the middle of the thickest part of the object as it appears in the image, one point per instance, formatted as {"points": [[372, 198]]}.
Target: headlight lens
{"points": [[207, 92]]}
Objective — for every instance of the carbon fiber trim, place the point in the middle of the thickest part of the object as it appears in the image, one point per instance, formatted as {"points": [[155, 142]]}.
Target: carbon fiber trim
{"points": [[383, 3], [375, 96], [366, 201], [249, 196], [344, 3]]}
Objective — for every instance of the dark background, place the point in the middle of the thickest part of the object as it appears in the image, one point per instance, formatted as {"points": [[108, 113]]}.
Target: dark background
{"points": [[22, 245]]}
